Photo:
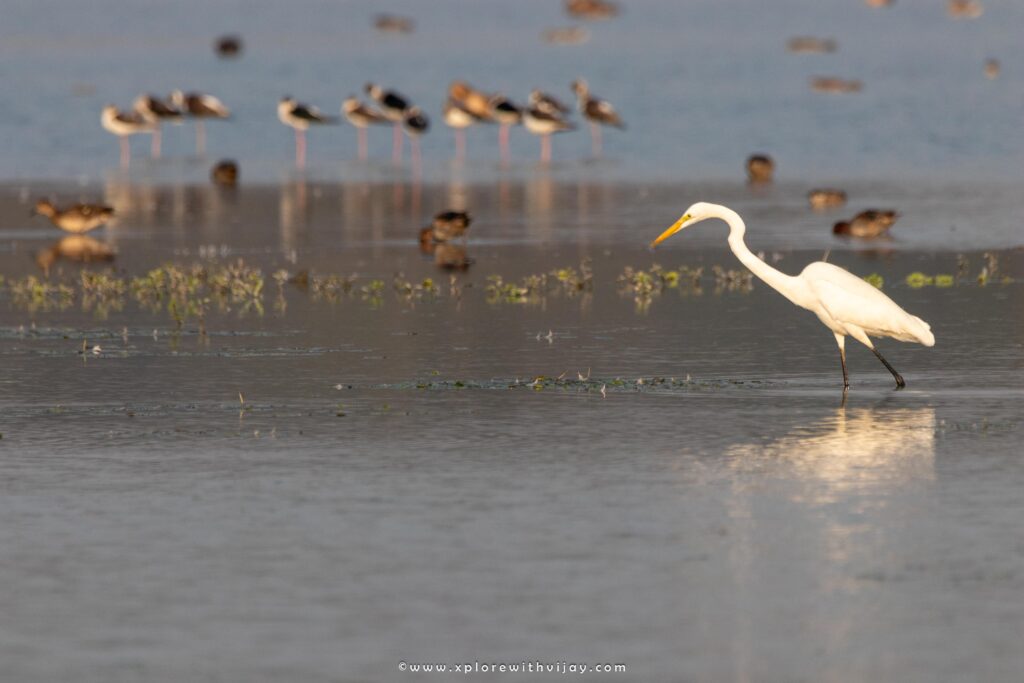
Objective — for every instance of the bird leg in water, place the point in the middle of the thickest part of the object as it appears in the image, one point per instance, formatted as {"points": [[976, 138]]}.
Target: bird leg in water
{"points": [[362, 144], [545, 149], [899, 380], [415, 145], [126, 152], [460, 145], [846, 377], [200, 138], [503, 142], [300, 148], [595, 139], [154, 148], [396, 144]]}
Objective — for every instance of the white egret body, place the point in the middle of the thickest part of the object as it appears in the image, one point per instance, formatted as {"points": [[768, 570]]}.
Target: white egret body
{"points": [[843, 302]]}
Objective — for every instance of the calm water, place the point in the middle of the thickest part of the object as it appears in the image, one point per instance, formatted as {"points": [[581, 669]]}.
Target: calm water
{"points": [[318, 488], [394, 491], [701, 84]]}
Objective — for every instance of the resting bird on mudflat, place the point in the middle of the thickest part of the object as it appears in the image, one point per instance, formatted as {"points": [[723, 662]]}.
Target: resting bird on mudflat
{"points": [[78, 219]]}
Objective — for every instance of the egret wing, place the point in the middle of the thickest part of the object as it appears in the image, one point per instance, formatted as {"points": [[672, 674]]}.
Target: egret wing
{"points": [[852, 301]]}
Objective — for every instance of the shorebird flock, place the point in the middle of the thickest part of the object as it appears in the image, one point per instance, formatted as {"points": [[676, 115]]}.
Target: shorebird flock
{"points": [[464, 106]]}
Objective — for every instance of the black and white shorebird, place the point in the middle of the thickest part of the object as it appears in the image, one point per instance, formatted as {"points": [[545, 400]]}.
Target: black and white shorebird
{"points": [[77, 219], [549, 103], [597, 111], [415, 124], [543, 122], [394, 107], [199, 106], [506, 114], [156, 111], [362, 116], [300, 117], [122, 124], [458, 118]]}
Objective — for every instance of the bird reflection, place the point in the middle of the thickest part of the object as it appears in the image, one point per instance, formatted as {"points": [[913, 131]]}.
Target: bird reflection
{"points": [[851, 447], [74, 248]]}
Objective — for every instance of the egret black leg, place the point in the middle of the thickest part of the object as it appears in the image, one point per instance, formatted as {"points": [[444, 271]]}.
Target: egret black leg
{"points": [[899, 380], [846, 377]]}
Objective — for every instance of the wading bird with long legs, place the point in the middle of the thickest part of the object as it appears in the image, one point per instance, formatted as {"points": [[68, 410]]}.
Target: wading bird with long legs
{"points": [[597, 112], [362, 116], [843, 302], [299, 117], [122, 124], [199, 107]]}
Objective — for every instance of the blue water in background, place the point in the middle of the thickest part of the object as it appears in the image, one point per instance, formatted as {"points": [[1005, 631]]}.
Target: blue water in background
{"points": [[701, 84]]}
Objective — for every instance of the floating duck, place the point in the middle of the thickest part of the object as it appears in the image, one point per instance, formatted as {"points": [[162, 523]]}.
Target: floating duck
{"points": [[591, 9], [760, 168], [867, 224], [224, 173], [826, 198]]}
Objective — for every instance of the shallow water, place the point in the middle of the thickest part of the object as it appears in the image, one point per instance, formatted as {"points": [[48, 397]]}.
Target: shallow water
{"points": [[325, 490], [318, 484]]}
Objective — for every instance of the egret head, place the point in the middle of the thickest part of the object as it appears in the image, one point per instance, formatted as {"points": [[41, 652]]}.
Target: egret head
{"points": [[695, 214]]}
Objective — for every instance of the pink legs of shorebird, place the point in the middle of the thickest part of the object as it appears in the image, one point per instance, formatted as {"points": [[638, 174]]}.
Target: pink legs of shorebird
{"points": [[300, 148], [396, 151], [503, 142]]}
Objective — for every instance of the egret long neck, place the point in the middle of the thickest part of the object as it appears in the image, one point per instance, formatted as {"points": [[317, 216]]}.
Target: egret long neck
{"points": [[786, 285]]}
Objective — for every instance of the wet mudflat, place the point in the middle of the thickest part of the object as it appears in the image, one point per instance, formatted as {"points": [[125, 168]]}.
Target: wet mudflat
{"points": [[373, 460]]}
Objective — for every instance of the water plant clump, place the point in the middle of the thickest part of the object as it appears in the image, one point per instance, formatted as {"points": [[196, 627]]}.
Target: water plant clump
{"points": [[36, 295]]}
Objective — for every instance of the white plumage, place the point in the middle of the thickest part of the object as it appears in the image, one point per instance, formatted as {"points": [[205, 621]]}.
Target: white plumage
{"points": [[844, 303]]}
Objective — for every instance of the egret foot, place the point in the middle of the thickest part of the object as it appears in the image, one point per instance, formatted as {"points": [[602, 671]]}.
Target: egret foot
{"points": [[899, 380]]}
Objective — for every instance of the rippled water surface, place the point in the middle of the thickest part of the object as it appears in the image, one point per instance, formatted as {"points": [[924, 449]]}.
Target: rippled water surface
{"points": [[327, 485]]}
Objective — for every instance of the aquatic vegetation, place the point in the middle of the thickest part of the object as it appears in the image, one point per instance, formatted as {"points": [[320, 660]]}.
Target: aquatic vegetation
{"points": [[644, 285], [35, 295], [917, 279], [102, 292], [414, 291], [875, 280], [732, 280], [329, 287]]}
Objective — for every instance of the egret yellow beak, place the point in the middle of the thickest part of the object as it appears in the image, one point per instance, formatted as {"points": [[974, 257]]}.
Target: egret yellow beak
{"points": [[673, 229]]}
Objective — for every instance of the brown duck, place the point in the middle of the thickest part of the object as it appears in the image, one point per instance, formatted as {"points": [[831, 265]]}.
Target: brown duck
{"points": [[867, 224], [77, 219], [446, 226]]}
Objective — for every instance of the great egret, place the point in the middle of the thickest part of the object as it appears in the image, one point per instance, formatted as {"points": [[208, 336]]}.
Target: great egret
{"points": [[843, 302]]}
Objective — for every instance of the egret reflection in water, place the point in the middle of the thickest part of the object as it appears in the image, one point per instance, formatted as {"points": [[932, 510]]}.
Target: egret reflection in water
{"points": [[850, 447]]}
